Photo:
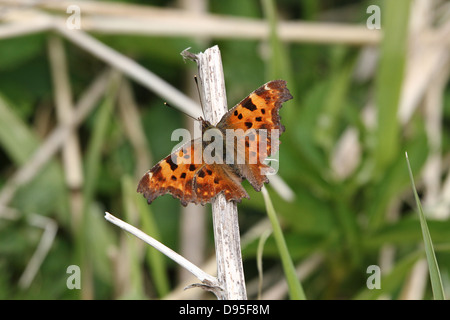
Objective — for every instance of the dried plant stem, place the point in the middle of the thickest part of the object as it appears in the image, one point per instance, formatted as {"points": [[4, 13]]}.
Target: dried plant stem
{"points": [[205, 278], [71, 154], [230, 273], [64, 110], [130, 68], [49, 228], [119, 18], [129, 114]]}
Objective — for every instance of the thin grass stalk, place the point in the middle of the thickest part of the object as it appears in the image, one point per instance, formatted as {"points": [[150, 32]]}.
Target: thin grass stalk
{"points": [[435, 274], [259, 258], [295, 288], [131, 245], [156, 262], [117, 18]]}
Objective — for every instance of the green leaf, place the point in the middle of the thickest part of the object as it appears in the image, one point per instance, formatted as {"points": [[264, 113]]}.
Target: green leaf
{"points": [[16, 51], [133, 257], [435, 275], [155, 259], [19, 142], [259, 255]]}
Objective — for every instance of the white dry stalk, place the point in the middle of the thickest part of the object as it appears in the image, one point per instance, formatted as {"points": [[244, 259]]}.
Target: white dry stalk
{"points": [[230, 272], [63, 100], [50, 228], [208, 282], [117, 18], [62, 93], [130, 68], [134, 130]]}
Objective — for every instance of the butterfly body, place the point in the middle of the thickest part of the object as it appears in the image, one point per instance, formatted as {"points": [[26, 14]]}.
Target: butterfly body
{"points": [[227, 153]]}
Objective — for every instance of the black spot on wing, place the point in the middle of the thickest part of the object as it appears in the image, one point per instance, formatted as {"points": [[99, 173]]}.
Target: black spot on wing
{"points": [[248, 104], [173, 166]]}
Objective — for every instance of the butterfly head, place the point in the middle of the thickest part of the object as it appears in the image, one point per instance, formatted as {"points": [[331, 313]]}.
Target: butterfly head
{"points": [[205, 124]]}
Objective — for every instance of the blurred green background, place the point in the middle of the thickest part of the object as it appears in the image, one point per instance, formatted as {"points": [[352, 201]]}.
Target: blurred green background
{"points": [[358, 106]]}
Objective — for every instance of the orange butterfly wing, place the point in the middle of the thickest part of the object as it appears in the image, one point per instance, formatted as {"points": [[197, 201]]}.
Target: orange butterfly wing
{"points": [[213, 179], [174, 174], [188, 180], [259, 112]]}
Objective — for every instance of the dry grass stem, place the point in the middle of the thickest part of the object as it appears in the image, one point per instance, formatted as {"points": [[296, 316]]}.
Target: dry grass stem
{"points": [[129, 115], [118, 18], [64, 109], [230, 271], [49, 228], [132, 69], [204, 277]]}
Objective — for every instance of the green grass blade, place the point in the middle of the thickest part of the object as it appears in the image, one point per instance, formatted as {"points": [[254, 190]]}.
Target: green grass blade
{"points": [[435, 275], [156, 261], [393, 52], [96, 143], [295, 287], [133, 260], [259, 254], [16, 139], [19, 142]]}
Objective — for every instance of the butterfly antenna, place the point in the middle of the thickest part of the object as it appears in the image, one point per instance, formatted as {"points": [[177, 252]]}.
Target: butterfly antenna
{"points": [[199, 96], [188, 115]]}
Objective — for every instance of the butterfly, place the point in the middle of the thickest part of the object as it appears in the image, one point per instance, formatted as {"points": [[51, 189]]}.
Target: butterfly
{"points": [[190, 177]]}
